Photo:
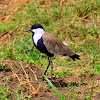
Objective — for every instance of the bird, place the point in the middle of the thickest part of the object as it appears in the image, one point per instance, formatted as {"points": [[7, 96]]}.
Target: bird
{"points": [[50, 45]]}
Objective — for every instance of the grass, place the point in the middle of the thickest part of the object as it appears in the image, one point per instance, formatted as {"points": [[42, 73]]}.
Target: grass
{"points": [[4, 91], [1, 67], [54, 88], [77, 24], [91, 92]]}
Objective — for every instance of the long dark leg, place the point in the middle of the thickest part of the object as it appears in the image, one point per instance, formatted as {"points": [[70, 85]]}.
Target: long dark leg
{"points": [[51, 69], [46, 69]]}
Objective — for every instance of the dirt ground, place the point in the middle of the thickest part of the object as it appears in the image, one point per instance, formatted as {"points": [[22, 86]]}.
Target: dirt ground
{"points": [[25, 79]]}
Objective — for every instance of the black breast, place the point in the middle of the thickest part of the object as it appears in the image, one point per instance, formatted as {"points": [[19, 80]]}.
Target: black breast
{"points": [[41, 47]]}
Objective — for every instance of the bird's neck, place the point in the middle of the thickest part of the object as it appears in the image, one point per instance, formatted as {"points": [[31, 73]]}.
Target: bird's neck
{"points": [[37, 35]]}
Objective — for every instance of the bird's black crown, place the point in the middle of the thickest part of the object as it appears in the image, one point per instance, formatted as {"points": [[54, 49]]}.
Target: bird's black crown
{"points": [[36, 26]]}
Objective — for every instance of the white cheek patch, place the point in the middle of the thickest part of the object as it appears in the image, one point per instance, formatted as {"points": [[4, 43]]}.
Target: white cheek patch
{"points": [[38, 30], [65, 43], [32, 30]]}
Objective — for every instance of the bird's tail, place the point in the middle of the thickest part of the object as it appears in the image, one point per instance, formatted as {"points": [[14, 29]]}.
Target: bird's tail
{"points": [[75, 56]]}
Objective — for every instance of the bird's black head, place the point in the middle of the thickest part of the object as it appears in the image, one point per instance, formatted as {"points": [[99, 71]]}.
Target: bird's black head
{"points": [[35, 26]]}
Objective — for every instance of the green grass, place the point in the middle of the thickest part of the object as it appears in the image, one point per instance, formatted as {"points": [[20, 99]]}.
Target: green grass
{"points": [[54, 88], [91, 92], [69, 23], [4, 93], [1, 67]]}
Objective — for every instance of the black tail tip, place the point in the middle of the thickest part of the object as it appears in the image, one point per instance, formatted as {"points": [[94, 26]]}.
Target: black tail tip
{"points": [[75, 57]]}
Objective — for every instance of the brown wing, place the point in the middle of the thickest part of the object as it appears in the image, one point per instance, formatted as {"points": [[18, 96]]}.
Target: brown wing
{"points": [[55, 46]]}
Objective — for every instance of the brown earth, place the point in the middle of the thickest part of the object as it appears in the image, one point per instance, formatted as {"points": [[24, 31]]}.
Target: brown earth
{"points": [[25, 79]]}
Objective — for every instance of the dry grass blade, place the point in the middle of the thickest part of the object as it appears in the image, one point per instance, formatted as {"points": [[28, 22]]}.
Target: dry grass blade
{"points": [[33, 73], [31, 87], [23, 78], [16, 76], [6, 36], [61, 2], [11, 7]]}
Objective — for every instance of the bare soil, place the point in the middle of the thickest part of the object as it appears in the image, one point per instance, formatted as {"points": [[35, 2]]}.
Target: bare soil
{"points": [[25, 79]]}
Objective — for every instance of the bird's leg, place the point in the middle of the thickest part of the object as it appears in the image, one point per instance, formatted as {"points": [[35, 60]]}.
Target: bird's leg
{"points": [[46, 69], [51, 68]]}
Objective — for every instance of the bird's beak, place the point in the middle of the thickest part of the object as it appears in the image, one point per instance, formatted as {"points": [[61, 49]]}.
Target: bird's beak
{"points": [[28, 30]]}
